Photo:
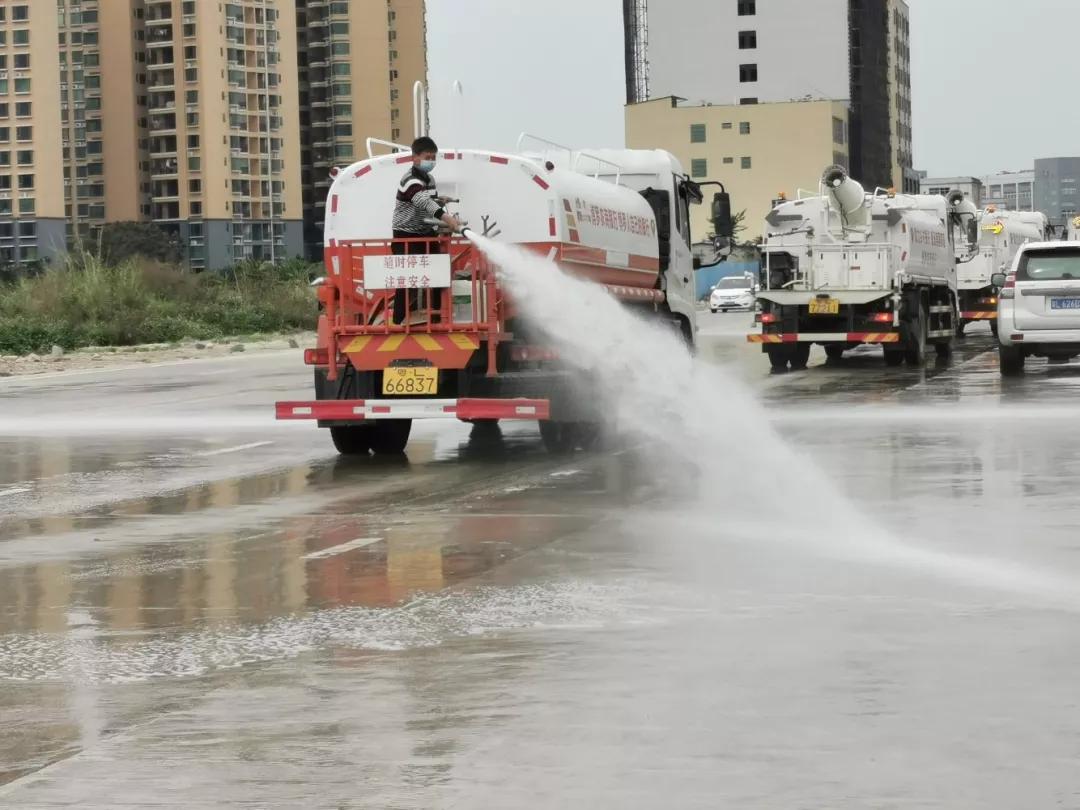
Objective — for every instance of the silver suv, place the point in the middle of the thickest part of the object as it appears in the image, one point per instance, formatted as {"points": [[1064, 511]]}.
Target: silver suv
{"points": [[1039, 305]]}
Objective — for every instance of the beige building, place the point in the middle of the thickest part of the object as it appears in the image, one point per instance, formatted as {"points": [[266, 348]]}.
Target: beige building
{"points": [[359, 61], [192, 114], [758, 151]]}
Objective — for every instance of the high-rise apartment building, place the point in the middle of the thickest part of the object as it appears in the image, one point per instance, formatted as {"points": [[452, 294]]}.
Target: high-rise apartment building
{"points": [[223, 132], [359, 61], [773, 51], [218, 121]]}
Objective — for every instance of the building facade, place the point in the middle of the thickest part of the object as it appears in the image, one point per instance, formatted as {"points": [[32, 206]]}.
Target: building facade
{"points": [[747, 147], [217, 121], [1014, 191], [1057, 188], [971, 186], [358, 64], [769, 51]]}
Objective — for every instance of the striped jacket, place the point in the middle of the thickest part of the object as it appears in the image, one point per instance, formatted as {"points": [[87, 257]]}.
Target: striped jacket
{"points": [[416, 202]]}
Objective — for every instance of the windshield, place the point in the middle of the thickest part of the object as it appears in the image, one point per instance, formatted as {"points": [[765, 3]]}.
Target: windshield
{"points": [[733, 284], [1049, 265]]}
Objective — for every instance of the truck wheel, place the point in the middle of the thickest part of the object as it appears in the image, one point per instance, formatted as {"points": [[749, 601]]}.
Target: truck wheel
{"points": [[916, 348], [834, 352], [558, 437], [778, 357], [390, 436], [960, 329], [994, 328], [894, 358], [351, 440], [1010, 361], [800, 356]]}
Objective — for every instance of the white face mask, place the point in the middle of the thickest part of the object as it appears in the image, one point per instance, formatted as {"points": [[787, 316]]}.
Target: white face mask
{"points": [[427, 166]]}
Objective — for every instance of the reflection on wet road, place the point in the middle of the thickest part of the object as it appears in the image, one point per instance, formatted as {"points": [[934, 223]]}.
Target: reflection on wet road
{"points": [[200, 608]]}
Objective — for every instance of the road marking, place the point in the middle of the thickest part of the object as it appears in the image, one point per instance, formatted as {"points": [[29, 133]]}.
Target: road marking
{"points": [[14, 491], [236, 449], [341, 549]]}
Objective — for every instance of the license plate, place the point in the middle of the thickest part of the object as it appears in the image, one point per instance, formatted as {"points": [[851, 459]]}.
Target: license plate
{"points": [[824, 306], [1065, 303], [422, 381]]}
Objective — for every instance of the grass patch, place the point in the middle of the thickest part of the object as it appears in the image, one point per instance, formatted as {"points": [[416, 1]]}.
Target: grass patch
{"points": [[85, 302]]}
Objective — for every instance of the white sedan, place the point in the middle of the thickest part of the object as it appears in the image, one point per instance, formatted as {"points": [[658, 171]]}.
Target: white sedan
{"points": [[736, 292]]}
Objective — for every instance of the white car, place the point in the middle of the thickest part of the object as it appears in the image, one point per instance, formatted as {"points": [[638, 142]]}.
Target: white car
{"points": [[734, 292], [1039, 305]]}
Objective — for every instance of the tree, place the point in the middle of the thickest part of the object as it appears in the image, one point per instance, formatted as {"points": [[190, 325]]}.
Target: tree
{"points": [[120, 241]]}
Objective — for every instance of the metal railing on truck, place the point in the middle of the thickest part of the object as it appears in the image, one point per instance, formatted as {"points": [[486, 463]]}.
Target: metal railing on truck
{"points": [[881, 253], [357, 305]]}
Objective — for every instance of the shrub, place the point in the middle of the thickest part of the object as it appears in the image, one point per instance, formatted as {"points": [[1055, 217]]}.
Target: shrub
{"points": [[85, 301]]}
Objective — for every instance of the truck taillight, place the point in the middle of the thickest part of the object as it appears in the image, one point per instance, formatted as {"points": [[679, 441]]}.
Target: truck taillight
{"points": [[991, 300], [316, 357], [768, 317], [882, 317]]}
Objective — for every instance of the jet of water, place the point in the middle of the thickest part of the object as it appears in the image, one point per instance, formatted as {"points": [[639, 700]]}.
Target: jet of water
{"points": [[653, 388]]}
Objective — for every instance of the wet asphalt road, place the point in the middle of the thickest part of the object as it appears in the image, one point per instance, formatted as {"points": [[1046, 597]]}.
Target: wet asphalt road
{"points": [[200, 608]]}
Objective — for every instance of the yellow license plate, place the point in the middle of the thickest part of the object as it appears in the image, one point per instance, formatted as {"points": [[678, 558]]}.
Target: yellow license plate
{"points": [[423, 381], [824, 306]]}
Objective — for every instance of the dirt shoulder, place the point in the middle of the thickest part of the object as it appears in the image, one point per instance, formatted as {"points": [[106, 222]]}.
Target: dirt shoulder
{"points": [[107, 357]]}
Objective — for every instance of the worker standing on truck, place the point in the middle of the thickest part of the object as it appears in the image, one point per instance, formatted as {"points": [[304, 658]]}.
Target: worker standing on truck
{"points": [[417, 204]]}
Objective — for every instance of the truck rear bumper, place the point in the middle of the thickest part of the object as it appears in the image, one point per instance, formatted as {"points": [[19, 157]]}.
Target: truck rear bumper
{"points": [[826, 337], [359, 410], [979, 315]]}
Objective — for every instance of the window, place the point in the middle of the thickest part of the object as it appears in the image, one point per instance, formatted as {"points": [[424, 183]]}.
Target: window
{"points": [[728, 161], [839, 131], [21, 36], [339, 48], [726, 125], [5, 157], [699, 167], [24, 133], [22, 85], [195, 186], [697, 133], [750, 100], [747, 40], [747, 8], [22, 61], [26, 157], [746, 163], [23, 109], [747, 73], [20, 13]]}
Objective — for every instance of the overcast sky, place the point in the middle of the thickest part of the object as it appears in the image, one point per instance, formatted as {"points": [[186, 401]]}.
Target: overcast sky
{"points": [[990, 77]]}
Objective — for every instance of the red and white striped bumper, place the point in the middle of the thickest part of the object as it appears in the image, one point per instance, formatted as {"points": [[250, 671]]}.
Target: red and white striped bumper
{"points": [[356, 410], [979, 316], [827, 337]]}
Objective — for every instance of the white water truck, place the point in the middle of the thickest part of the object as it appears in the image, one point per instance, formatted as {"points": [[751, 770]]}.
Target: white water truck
{"points": [[1001, 234], [464, 350], [842, 268]]}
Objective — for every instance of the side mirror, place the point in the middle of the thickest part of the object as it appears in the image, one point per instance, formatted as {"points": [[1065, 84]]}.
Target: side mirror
{"points": [[998, 280], [721, 215]]}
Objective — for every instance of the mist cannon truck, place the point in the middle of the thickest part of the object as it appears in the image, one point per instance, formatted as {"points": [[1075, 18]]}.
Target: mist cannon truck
{"points": [[464, 349], [999, 237], [844, 268]]}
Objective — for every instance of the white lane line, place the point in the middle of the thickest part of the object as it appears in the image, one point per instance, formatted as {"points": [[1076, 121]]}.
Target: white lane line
{"points": [[341, 549], [14, 491], [237, 449]]}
